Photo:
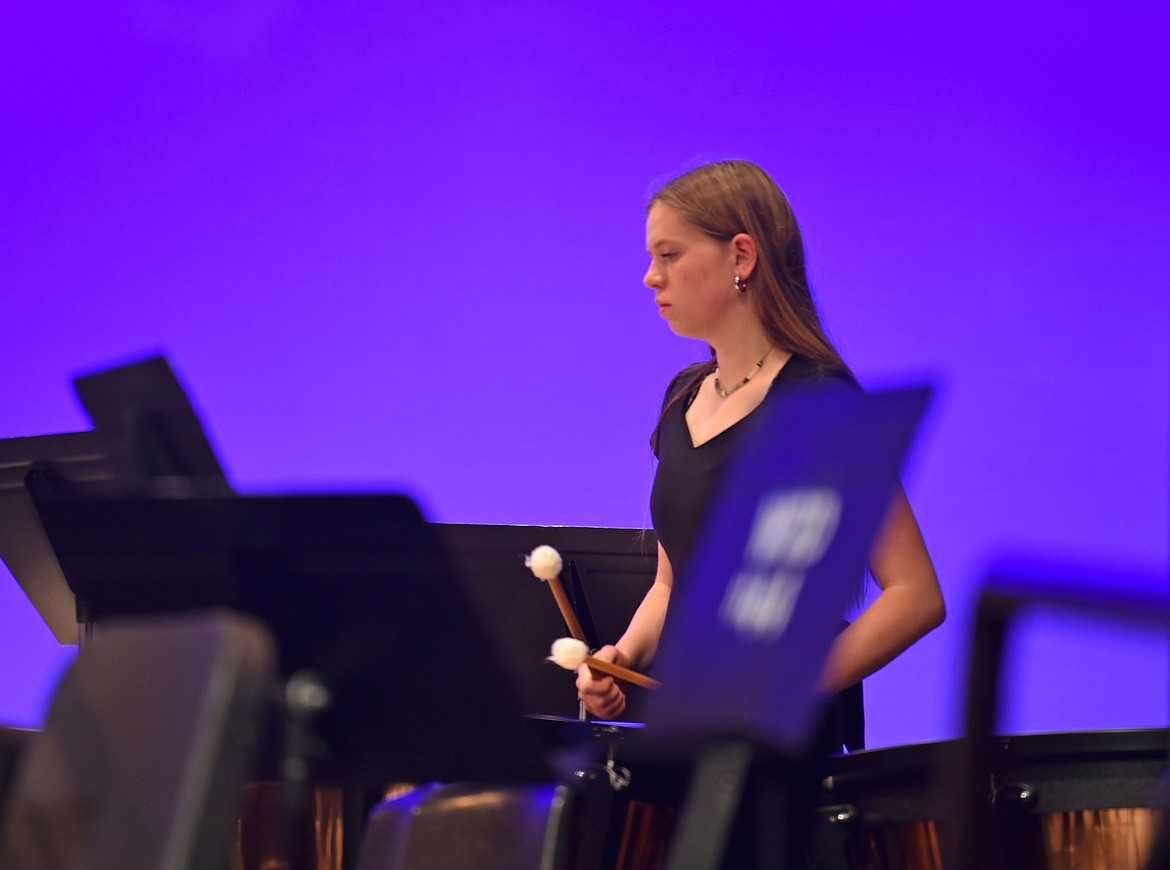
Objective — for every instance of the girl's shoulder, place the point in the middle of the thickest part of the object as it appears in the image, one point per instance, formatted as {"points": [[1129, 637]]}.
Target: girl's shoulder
{"points": [[688, 378], [801, 369]]}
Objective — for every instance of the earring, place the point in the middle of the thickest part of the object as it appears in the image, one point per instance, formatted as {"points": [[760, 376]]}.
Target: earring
{"points": [[740, 285]]}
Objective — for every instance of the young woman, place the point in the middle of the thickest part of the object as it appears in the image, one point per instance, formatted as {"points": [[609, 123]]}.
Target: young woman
{"points": [[727, 267]]}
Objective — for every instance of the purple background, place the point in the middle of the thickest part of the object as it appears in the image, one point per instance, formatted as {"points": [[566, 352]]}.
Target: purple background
{"points": [[401, 249]]}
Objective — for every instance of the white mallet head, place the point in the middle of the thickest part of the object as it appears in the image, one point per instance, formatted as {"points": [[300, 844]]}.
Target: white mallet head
{"points": [[544, 562], [569, 653]]}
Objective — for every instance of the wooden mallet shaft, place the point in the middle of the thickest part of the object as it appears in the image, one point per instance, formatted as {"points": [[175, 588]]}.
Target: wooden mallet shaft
{"points": [[567, 612], [621, 673]]}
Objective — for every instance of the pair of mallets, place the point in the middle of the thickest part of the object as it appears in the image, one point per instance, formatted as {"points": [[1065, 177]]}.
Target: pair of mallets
{"points": [[572, 652]]}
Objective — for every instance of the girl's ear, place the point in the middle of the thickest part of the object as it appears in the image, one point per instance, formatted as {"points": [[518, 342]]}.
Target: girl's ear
{"points": [[743, 248]]}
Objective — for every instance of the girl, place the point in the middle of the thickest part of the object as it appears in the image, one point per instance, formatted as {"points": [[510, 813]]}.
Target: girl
{"points": [[727, 267]]}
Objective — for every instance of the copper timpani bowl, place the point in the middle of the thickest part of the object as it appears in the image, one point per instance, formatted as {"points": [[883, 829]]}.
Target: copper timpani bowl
{"points": [[1069, 801]]}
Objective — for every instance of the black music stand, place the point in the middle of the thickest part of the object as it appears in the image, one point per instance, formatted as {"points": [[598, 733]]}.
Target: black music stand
{"points": [[616, 566], [779, 558], [148, 440], [78, 458], [363, 601], [155, 440]]}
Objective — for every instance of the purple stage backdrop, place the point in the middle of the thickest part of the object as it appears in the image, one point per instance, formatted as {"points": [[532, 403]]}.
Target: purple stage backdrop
{"points": [[398, 247]]}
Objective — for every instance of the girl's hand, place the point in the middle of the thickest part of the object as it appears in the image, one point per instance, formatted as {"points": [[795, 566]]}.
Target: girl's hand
{"points": [[602, 695]]}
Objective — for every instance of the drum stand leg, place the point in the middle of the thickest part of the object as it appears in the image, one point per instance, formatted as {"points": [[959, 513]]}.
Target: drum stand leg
{"points": [[305, 697], [713, 801], [746, 806]]}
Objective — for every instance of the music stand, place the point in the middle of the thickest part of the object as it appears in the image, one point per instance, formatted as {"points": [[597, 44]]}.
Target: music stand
{"points": [[80, 459], [148, 440], [155, 439], [359, 593], [616, 566]]}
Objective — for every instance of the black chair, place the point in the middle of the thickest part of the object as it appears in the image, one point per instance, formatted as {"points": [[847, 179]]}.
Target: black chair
{"points": [[148, 741], [12, 745]]}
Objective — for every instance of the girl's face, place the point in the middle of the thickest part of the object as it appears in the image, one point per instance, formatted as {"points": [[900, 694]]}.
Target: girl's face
{"points": [[690, 273]]}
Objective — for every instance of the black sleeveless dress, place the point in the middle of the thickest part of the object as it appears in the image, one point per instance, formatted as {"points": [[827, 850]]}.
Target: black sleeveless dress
{"points": [[685, 483]]}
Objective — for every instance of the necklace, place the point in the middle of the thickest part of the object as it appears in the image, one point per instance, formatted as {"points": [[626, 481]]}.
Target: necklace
{"points": [[723, 394]]}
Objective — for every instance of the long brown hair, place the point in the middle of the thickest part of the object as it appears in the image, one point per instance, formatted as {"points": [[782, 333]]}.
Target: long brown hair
{"points": [[736, 196]]}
